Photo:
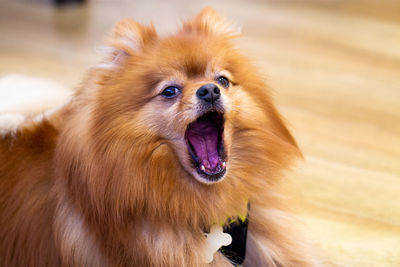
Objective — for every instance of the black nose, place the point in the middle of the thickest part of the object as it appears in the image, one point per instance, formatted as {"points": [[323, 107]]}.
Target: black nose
{"points": [[208, 92]]}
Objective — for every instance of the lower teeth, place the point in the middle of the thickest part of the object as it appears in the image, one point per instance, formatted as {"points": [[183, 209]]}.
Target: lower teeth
{"points": [[218, 168]]}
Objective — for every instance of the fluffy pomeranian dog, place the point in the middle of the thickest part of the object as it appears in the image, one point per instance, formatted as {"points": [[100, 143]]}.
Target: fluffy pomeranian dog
{"points": [[165, 139]]}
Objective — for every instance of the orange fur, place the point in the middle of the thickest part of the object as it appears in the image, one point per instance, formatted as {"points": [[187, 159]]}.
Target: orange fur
{"points": [[106, 180]]}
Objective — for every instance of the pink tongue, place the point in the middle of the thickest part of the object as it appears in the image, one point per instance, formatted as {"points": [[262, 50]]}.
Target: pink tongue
{"points": [[203, 136]]}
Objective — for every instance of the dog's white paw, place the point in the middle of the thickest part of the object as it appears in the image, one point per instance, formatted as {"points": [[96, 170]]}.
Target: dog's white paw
{"points": [[30, 95], [9, 123]]}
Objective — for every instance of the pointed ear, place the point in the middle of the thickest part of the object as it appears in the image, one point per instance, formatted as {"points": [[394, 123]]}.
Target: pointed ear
{"points": [[281, 130], [129, 38], [132, 37], [210, 21]]}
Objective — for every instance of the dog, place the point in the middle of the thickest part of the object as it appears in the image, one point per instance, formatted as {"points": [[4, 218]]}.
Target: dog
{"points": [[168, 141]]}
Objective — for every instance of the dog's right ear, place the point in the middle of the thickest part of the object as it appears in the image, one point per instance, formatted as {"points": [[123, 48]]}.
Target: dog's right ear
{"points": [[132, 37], [129, 38]]}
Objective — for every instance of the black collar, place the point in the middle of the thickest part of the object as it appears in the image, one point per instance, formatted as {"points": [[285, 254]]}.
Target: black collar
{"points": [[236, 251]]}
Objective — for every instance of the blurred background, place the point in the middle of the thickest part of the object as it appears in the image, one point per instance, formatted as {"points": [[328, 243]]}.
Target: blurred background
{"points": [[333, 66]]}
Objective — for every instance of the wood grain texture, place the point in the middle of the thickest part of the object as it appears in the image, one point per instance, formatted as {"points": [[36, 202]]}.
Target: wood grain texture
{"points": [[334, 67]]}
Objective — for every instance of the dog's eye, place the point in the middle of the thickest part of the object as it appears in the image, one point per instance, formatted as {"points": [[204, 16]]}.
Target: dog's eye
{"points": [[170, 92], [222, 80]]}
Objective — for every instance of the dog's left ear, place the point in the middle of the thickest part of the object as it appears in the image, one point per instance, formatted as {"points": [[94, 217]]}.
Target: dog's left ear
{"points": [[280, 129], [209, 21]]}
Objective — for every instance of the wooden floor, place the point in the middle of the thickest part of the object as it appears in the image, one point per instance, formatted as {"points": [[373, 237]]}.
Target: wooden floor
{"points": [[335, 70]]}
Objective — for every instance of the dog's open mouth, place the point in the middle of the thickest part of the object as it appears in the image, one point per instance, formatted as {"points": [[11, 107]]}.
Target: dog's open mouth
{"points": [[205, 143]]}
